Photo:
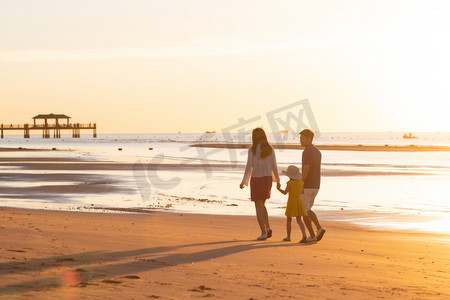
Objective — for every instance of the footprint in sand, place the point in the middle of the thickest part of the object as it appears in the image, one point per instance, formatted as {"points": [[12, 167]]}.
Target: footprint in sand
{"points": [[64, 259], [16, 250], [111, 281], [85, 284], [132, 277], [201, 289]]}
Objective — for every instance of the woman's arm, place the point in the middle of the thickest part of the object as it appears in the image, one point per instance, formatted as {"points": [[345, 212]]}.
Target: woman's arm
{"points": [[248, 169], [275, 174]]}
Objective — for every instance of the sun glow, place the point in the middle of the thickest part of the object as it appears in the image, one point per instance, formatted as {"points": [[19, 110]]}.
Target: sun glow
{"points": [[206, 67]]}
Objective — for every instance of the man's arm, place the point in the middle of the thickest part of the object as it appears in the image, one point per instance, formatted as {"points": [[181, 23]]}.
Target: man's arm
{"points": [[305, 172]]}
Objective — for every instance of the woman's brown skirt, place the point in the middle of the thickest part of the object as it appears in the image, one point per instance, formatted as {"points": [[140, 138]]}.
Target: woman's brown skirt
{"points": [[260, 187]]}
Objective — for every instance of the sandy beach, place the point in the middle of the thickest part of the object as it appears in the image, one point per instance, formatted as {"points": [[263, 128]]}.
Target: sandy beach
{"points": [[134, 136], [76, 255], [102, 254]]}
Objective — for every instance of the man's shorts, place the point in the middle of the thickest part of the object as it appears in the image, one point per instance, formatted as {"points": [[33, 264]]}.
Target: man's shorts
{"points": [[308, 197]]}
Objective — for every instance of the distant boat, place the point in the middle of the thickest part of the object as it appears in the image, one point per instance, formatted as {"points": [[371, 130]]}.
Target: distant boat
{"points": [[210, 131], [409, 136], [284, 131]]}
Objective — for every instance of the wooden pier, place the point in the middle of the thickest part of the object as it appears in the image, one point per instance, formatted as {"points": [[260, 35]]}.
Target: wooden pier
{"points": [[47, 127]]}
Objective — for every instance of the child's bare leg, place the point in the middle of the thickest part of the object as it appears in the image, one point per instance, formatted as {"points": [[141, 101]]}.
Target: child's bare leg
{"points": [[302, 227], [288, 229]]}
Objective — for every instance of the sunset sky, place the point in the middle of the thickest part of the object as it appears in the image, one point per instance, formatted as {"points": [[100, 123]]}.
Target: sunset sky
{"points": [[167, 66]]}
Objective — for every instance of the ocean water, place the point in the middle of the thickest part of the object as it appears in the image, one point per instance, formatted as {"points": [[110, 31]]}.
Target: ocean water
{"points": [[406, 190]]}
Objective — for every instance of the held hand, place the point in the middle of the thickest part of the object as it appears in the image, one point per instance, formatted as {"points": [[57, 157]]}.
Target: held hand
{"points": [[281, 190], [278, 185]]}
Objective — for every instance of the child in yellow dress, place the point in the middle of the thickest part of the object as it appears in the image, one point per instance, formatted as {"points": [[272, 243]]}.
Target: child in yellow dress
{"points": [[294, 207]]}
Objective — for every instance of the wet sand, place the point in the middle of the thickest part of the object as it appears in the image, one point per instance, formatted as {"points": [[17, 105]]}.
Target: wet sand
{"points": [[75, 255], [75, 164], [21, 149], [296, 146], [383, 148]]}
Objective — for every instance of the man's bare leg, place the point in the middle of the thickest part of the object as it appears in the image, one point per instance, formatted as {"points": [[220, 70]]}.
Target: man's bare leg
{"points": [[314, 219], [307, 221]]}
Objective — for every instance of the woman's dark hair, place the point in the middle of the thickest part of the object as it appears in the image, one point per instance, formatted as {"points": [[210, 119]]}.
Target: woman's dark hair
{"points": [[259, 137]]}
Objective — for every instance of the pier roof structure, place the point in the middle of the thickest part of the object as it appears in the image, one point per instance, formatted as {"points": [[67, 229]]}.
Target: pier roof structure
{"points": [[51, 117]]}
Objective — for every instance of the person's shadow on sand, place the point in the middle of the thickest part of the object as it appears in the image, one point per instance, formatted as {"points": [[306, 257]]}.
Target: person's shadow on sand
{"points": [[145, 259]]}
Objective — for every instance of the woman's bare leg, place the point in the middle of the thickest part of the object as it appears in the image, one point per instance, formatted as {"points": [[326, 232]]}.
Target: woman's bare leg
{"points": [[266, 215], [261, 215]]}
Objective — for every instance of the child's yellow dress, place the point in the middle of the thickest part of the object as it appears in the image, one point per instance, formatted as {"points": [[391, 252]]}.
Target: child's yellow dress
{"points": [[294, 207]]}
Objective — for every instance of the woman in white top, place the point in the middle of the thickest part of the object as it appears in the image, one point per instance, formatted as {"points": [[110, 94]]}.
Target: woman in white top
{"points": [[261, 170]]}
